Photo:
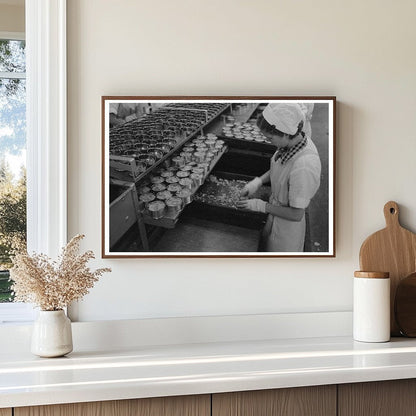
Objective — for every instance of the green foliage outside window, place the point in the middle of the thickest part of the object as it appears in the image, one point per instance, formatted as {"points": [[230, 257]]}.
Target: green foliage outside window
{"points": [[12, 224], [12, 146]]}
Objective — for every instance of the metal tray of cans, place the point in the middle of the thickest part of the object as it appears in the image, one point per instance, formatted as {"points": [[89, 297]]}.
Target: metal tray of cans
{"points": [[132, 171], [216, 201], [169, 220]]}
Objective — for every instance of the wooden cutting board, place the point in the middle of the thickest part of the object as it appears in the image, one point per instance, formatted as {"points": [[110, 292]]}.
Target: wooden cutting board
{"points": [[393, 250]]}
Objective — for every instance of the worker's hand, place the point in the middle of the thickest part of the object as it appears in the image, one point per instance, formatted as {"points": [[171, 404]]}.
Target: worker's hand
{"points": [[251, 188], [257, 205]]}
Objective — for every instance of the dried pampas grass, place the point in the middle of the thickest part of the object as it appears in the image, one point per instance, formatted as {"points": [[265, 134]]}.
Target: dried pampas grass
{"points": [[53, 285]]}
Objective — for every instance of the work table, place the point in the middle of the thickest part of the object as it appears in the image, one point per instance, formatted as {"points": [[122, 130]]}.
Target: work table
{"points": [[199, 368]]}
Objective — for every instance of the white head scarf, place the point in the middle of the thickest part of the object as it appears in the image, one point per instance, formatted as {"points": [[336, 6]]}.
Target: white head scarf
{"points": [[284, 116]]}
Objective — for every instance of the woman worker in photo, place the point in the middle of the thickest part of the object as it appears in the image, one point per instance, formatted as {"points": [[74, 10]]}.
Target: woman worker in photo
{"points": [[307, 109], [294, 175]]}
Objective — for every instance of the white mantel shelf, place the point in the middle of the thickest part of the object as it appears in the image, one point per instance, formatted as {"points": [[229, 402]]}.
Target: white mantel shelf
{"points": [[151, 371]]}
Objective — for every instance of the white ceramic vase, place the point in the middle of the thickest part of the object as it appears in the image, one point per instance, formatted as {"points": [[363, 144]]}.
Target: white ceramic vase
{"points": [[52, 334]]}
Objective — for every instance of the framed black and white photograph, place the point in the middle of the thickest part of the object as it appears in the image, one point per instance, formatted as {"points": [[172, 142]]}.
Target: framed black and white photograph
{"points": [[218, 176]]}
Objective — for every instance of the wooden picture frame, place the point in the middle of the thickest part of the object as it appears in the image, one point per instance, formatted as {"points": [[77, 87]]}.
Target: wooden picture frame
{"points": [[173, 171]]}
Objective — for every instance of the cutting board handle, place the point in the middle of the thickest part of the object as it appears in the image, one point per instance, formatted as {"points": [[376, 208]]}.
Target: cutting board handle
{"points": [[391, 214]]}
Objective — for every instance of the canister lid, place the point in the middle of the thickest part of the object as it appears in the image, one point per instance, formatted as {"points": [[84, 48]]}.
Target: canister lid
{"points": [[372, 275]]}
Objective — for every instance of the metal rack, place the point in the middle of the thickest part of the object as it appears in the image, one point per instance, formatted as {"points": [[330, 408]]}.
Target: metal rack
{"points": [[129, 169], [244, 145]]}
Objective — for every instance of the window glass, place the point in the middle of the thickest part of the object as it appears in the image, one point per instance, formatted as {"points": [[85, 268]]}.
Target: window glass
{"points": [[12, 156], [12, 56]]}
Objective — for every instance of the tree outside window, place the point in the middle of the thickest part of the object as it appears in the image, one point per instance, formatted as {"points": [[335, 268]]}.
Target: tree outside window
{"points": [[12, 156]]}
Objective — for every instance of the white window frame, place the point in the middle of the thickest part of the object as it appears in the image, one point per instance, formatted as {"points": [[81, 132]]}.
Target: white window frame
{"points": [[14, 312], [46, 135]]}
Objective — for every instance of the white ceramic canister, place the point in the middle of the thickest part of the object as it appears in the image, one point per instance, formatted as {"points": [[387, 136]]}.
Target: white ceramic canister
{"points": [[371, 309]]}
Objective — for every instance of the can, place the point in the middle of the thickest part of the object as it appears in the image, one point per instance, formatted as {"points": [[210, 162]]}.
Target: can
{"points": [[178, 161], [172, 179], [186, 195], [156, 209], [163, 195], [204, 166], [183, 173], [174, 188], [174, 205], [196, 178], [199, 157], [186, 182], [158, 187], [147, 198]]}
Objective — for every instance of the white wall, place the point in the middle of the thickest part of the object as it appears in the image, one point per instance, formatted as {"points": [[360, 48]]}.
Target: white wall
{"points": [[363, 52]]}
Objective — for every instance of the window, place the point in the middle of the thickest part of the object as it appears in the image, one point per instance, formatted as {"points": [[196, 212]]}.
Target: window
{"points": [[12, 155], [46, 135], [12, 165]]}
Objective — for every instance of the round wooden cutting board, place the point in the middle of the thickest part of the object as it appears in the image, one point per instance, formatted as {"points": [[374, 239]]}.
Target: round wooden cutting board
{"points": [[393, 250]]}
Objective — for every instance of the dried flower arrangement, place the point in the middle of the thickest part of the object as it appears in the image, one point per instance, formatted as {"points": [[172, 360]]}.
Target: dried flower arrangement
{"points": [[53, 285]]}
